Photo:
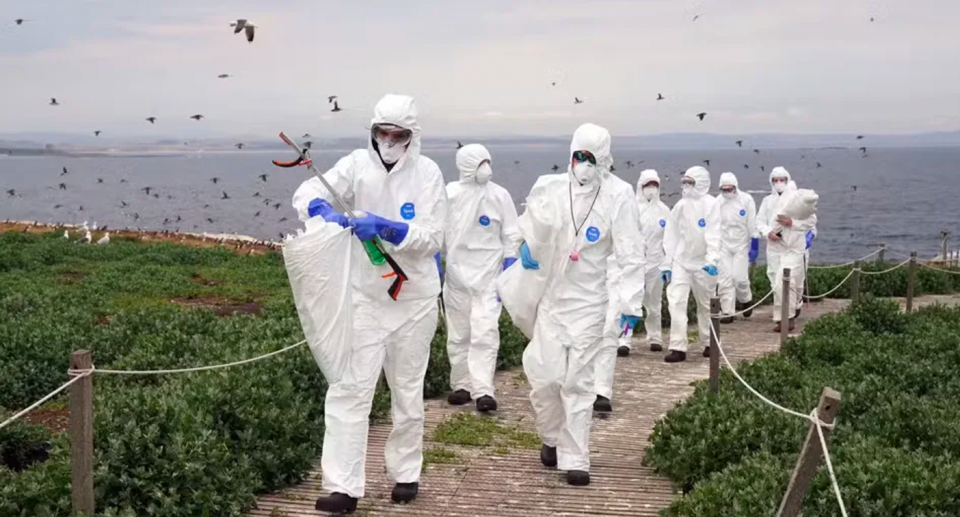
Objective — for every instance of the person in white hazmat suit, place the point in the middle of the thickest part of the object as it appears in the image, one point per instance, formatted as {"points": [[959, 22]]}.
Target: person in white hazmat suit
{"points": [[481, 240], [787, 241], [613, 331], [739, 246], [692, 246], [654, 219], [571, 315], [398, 195]]}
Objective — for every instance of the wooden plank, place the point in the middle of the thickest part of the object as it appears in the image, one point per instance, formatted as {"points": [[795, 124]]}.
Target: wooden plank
{"points": [[810, 456], [911, 280], [786, 296], [714, 347], [855, 283], [81, 435]]}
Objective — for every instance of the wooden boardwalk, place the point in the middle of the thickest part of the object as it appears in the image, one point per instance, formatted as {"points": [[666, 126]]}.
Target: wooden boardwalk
{"points": [[490, 482]]}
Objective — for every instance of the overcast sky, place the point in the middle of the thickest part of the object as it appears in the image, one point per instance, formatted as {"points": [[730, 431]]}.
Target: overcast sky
{"points": [[482, 67]]}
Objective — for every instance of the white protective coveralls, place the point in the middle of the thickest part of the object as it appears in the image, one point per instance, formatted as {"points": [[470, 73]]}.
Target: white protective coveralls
{"points": [[606, 361], [571, 316], [691, 243], [481, 231], [392, 336], [654, 219], [738, 225], [789, 250]]}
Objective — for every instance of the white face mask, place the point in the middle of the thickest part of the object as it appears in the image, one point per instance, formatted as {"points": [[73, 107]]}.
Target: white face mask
{"points": [[780, 187], [585, 172], [390, 154], [729, 195], [484, 173], [686, 189], [651, 193]]}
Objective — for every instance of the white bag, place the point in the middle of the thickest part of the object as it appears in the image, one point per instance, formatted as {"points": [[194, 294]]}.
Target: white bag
{"points": [[318, 266], [797, 203], [521, 289]]}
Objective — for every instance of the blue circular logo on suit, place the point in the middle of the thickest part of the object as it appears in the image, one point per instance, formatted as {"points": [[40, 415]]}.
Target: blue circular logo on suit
{"points": [[663, 223], [743, 213], [408, 211], [593, 234], [484, 220], [702, 223]]}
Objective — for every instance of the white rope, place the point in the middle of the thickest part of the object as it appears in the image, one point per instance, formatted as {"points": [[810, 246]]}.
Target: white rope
{"points": [[49, 396], [828, 293], [826, 457], [812, 417], [187, 370], [754, 306], [846, 264], [928, 266], [885, 271]]}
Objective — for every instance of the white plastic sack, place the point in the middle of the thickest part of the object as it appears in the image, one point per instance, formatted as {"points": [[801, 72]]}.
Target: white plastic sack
{"points": [[521, 289], [318, 266], [801, 204]]}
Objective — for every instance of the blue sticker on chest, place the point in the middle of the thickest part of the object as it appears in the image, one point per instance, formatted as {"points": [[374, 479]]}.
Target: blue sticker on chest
{"points": [[593, 234], [484, 220], [743, 213], [408, 211], [663, 223], [702, 223]]}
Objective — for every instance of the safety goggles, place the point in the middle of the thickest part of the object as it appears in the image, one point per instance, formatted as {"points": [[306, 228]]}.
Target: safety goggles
{"points": [[779, 180], [687, 180], [391, 135], [650, 184], [729, 189], [584, 156]]}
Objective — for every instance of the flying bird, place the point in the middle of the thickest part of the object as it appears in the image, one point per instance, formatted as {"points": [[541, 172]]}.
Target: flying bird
{"points": [[57, 207], [660, 97], [246, 26], [63, 186], [555, 168], [818, 165], [197, 117], [123, 204], [210, 220], [53, 101], [739, 143], [854, 188], [276, 206], [459, 145], [613, 169], [65, 172], [330, 99], [859, 137], [516, 162], [762, 168], [136, 216], [147, 190], [756, 151], [871, 19], [12, 192], [256, 194], [257, 214], [629, 164], [576, 100], [863, 150], [745, 166], [122, 180], [214, 180], [96, 133], [706, 162], [263, 178], [225, 196], [81, 208], [701, 115], [697, 17], [282, 219], [223, 76], [19, 21], [307, 145], [336, 107], [239, 145], [99, 180], [553, 83], [306, 135], [151, 120]]}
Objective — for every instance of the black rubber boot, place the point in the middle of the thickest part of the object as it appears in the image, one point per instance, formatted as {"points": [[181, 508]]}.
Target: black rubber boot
{"points": [[656, 347], [578, 478], [336, 503], [404, 492], [486, 403], [675, 356], [797, 314], [548, 456], [459, 398], [623, 351], [706, 351], [602, 405], [727, 320], [748, 312]]}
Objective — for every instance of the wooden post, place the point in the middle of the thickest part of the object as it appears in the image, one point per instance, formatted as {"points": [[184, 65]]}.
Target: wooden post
{"points": [[883, 248], [911, 280], [81, 435], [714, 347], [809, 456], [855, 285], [786, 296], [943, 246]]}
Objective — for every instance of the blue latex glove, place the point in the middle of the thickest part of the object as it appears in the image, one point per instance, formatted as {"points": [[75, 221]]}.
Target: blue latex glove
{"points": [[373, 225], [508, 261], [439, 266], [810, 237], [666, 276], [754, 249], [324, 209], [526, 260], [629, 323], [710, 269]]}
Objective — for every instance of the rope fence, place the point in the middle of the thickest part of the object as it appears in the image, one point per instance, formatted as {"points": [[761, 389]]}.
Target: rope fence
{"points": [[847, 264]]}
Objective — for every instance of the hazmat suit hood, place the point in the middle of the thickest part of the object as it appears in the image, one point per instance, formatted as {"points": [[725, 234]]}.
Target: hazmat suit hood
{"points": [[401, 111], [702, 177], [779, 172], [469, 158], [593, 138], [647, 176], [728, 179]]}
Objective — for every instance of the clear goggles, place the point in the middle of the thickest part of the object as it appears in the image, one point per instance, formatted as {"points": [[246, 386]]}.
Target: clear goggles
{"points": [[390, 135]]}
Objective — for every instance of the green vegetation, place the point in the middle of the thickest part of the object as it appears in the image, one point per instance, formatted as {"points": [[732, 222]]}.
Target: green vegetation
{"points": [[896, 448], [176, 445], [440, 456], [475, 430]]}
